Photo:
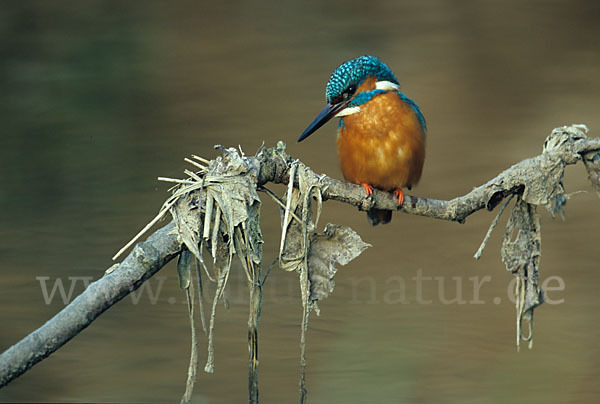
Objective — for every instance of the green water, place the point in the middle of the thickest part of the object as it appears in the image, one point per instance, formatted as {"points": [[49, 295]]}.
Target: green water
{"points": [[99, 98]]}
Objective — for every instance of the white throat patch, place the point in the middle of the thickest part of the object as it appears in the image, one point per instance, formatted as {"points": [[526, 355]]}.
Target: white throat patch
{"points": [[380, 85], [347, 111], [387, 85]]}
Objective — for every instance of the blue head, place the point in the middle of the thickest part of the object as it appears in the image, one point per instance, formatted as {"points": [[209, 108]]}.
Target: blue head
{"points": [[345, 79], [343, 84]]}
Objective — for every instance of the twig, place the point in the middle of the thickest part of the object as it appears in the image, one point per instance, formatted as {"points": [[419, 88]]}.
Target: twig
{"points": [[491, 229], [203, 160], [162, 212], [193, 366], [278, 201], [196, 164], [193, 175], [269, 271], [175, 180]]}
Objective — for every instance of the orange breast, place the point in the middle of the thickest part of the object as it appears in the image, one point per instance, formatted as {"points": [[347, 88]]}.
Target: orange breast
{"points": [[383, 144]]}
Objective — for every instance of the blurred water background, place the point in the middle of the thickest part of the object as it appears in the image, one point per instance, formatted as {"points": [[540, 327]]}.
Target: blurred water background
{"points": [[98, 98]]}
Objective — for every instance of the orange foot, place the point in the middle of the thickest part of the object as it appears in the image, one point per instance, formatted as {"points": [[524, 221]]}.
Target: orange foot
{"points": [[400, 195], [368, 188]]}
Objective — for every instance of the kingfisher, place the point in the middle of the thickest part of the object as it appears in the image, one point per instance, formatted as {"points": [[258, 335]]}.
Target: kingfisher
{"points": [[381, 132]]}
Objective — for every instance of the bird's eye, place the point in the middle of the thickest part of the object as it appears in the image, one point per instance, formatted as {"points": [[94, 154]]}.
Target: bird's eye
{"points": [[348, 93]]}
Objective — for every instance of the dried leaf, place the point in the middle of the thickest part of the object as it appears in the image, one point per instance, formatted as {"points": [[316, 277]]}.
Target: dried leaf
{"points": [[186, 215], [548, 190], [287, 217], [543, 178], [220, 208], [312, 256], [336, 245], [184, 269], [592, 165], [521, 251]]}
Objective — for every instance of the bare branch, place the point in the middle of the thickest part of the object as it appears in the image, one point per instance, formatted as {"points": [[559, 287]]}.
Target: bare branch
{"points": [[275, 165], [143, 262], [564, 146]]}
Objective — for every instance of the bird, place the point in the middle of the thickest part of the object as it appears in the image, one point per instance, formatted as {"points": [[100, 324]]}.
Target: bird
{"points": [[381, 132]]}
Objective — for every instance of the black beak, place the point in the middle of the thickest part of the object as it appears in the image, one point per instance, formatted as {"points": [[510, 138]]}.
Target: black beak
{"points": [[328, 112]]}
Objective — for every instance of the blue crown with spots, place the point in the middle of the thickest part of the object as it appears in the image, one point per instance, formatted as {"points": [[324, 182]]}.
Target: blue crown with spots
{"points": [[353, 72]]}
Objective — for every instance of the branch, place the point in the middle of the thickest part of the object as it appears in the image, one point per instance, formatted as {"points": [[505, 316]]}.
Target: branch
{"points": [[566, 145], [525, 176], [143, 262]]}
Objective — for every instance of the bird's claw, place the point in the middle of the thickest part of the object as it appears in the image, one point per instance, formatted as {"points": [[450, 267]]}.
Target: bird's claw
{"points": [[400, 195], [368, 188]]}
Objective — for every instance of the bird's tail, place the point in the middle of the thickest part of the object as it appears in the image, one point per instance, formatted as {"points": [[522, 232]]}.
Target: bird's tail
{"points": [[379, 216]]}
